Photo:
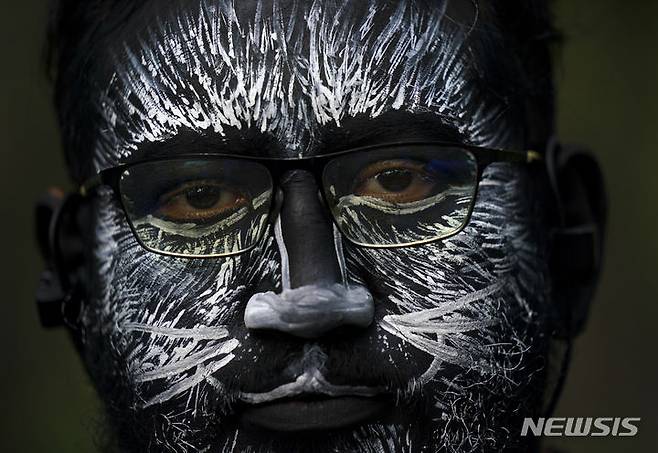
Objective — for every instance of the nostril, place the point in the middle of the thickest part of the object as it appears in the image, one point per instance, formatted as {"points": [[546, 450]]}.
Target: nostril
{"points": [[311, 311]]}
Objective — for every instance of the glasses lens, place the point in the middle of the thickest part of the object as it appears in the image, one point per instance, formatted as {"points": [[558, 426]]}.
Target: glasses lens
{"points": [[197, 207], [401, 195]]}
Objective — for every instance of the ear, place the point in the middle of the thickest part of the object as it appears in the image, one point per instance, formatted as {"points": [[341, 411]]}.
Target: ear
{"points": [[577, 243], [59, 232]]}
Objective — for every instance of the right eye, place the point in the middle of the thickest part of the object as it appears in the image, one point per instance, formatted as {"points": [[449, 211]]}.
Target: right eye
{"points": [[199, 201], [395, 180]]}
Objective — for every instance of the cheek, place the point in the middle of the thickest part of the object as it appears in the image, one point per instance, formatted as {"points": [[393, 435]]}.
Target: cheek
{"points": [[455, 298], [134, 285], [503, 241], [163, 319]]}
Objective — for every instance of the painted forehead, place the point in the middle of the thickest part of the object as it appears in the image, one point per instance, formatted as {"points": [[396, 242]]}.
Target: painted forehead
{"points": [[289, 71]]}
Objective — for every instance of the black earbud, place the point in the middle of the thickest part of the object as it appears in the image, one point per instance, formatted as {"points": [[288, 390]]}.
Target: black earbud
{"points": [[59, 293], [577, 236]]}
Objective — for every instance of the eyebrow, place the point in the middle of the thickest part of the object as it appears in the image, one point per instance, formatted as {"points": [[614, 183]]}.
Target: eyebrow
{"points": [[352, 132], [392, 126], [243, 142]]}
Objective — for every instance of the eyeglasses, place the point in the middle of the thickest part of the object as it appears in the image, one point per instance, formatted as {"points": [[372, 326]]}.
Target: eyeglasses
{"points": [[212, 205]]}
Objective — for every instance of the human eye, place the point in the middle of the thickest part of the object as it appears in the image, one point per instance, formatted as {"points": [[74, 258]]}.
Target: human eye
{"points": [[199, 201], [395, 181]]}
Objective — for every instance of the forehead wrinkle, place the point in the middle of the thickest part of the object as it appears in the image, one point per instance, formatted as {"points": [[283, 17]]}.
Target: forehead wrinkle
{"points": [[205, 69]]}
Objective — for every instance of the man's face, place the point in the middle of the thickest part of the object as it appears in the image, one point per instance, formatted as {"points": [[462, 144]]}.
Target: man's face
{"points": [[452, 355]]}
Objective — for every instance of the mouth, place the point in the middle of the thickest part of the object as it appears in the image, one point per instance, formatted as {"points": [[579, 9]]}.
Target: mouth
{"points": [[310, 412], [311, 403]]}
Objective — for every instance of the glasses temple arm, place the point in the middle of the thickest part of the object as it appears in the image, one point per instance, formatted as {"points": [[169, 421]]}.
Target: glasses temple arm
{"points": [[533, 156], [90, 184]]}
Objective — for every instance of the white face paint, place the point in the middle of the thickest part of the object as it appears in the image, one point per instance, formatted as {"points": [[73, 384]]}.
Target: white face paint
{"points": [[288, 69], [459, 324]]}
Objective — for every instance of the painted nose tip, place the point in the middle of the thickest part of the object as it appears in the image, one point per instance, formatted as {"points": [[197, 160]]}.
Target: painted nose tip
{"points": [[310, 311]]}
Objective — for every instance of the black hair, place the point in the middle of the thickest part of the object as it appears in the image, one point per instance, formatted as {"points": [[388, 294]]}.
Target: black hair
{"points": [[77, 28], [75, 31], [529, 30]]}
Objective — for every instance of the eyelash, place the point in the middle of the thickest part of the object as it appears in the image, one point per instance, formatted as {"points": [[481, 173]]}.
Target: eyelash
{"points": [[378, 167]]}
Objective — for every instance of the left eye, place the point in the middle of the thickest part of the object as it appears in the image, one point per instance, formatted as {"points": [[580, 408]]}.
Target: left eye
{"points": [[396, 181], [199, 201]]}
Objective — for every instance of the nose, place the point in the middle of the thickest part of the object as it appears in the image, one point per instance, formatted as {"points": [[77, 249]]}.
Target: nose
{"points": [[306, 233], [315, 297]]}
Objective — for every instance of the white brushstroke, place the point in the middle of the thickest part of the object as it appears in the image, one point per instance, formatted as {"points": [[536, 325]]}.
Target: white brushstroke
{"points": [[195, 333], [185, 364], [340, 256], [310, 382], [283, 253], [202, 373]]}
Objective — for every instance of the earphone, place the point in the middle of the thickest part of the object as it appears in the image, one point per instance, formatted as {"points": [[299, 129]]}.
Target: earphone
{"points": [[575, 261], [58, 297]]}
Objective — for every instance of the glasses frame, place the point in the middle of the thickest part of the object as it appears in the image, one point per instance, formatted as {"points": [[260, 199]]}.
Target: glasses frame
{"points": [[277, 166]]}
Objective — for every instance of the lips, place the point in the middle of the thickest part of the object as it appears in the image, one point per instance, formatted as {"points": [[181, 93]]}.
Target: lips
{"points": [[313, 412], [313, 403]]}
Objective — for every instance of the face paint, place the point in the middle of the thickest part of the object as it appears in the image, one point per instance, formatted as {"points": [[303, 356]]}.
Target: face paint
{"points": [[460, 325], [472, 303], [301, 309], [288, 70]]}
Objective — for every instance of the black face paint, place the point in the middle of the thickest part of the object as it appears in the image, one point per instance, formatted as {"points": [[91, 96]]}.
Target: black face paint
{"points": [[457, 328]]}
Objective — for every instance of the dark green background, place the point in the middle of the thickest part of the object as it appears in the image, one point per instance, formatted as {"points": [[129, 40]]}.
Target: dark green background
{"points": [[608, 79]]}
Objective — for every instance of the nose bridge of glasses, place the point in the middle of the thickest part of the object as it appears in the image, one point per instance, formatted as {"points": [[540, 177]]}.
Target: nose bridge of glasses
{"points": [[307, 232]]}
